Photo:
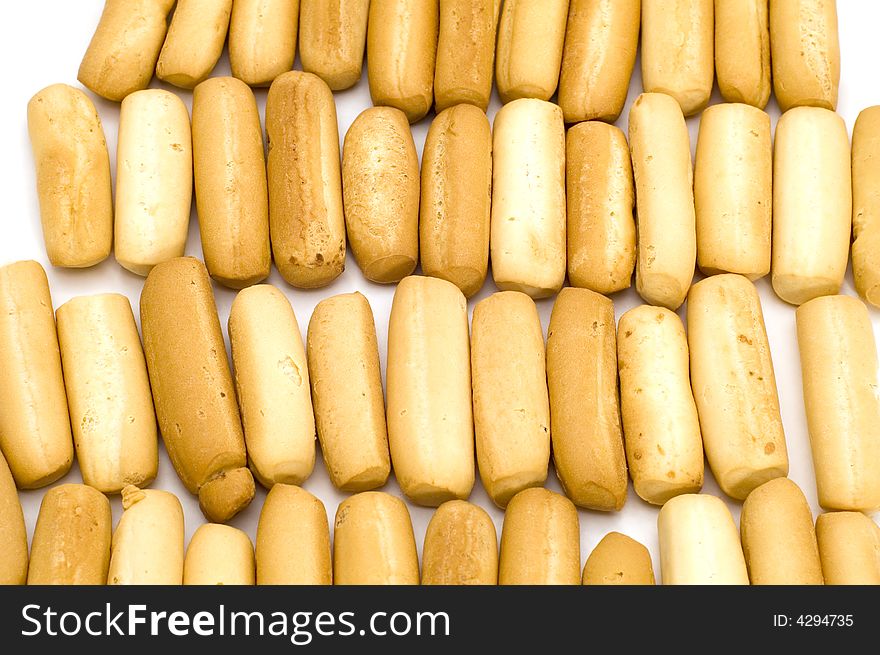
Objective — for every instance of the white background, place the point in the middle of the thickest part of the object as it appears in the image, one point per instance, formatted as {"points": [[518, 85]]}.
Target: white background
{"points": [[42, 42]]}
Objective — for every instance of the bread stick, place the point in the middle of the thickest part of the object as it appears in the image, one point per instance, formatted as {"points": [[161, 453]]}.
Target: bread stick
{"points": [[460, 546], [262, 39], [619, 560], [332, 38], [194, 41], [219, 555], [866, 204], [849, 545], [742, 51], [14, 556]]}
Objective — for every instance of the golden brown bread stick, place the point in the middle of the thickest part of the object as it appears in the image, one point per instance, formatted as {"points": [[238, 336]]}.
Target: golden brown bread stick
{"points": [[742, 51], [306, 220], [332, 37], [511, 405], [73, 176], [527, 239], [232, 199], [380, 185], [540, 540], [666, 222], [456, 190], [147, 546], [192, 387], [219, 555], [34, 424], [293, 539], [600, 228], [465, 53], [154, 172], [531, 34], [849, 545], [778, 538], [373, 542], [734, 384], [619, 560], [584, 412], [805, 53], [840, 384], [664, 448], [71, 544], [812, 204], [344, 371], [460, 546], [866, 204], [14, 556], [678, 51], [699, 543], [272, 384], [122, 54], [262, 39], [601, 40], [108, 392], [194, 41], [429, 413], [733, 194], [401, 49]]}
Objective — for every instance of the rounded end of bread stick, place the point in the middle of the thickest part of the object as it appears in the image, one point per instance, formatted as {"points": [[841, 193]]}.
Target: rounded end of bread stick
{"points": [[534, 292], [798, 289], [658, 492], [469, 280], [429, 495], [866, 276], [390, 269], [368, 479], [593, 496], [739, 483], [503, 490], [226, 495]]}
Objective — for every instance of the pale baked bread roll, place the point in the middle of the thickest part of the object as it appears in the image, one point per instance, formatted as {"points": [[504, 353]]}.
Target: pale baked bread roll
{"points": [[122, 54], [866, 204], [840, 383], [108, 392], [849, 545], [306, 222], [778, 538], [262, 39], [73, 176], [192, 387], [511, 405], [219, 555], [678, 39], [619, 560], [430, 419], [34, 424], [733, 191], [812, 204], [380, 185], [232, 199], [805, 53], [154, 180], [734, 384], [600, 227], [584, 412], [528, 198], [373, 542], [272, 384], [344, 371], [531, 34], [460, 546], [14, 555], [664, 448], [194, 41], [332, 38], [401, 50], [147, 546], [540, 540], [601, 40], [742, 51], [666, 222], [699, 543], [456, 190], [465, 53], [71, 544], [293, 539]]}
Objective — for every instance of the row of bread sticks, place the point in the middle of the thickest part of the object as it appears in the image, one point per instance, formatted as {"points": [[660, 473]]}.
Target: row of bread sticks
{"points": [[492, 393], [444, 52], [373, 542], [543, 203]]}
